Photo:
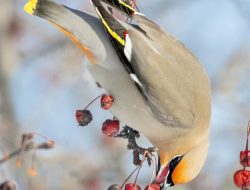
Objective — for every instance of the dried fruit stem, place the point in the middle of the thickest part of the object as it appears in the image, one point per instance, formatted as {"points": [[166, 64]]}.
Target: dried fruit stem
{"points": [[144, 158], [131, 135], [130, 176], [92, 102], [40, 135]]}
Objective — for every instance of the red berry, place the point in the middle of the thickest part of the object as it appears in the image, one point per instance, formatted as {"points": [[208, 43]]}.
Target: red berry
{"points": [[83, 117], [131, 186], [245, 158], [110, 127], [153, 186], [242, 178], [114, 187], [106, 101]]}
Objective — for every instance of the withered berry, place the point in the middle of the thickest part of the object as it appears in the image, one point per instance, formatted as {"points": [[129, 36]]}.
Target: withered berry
{"points": [[8, 185], [115, 187], [83, 117], [245, 158]]}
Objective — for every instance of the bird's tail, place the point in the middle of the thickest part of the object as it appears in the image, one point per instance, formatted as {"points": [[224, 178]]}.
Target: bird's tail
{"points": [[35, 7], [74, 24]]}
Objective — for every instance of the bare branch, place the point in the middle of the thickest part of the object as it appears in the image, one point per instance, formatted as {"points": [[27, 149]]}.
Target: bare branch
{"points": [[29, 146]]}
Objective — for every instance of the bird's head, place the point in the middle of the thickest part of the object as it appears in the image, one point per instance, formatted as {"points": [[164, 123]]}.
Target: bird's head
{"points": [[181, 168]]}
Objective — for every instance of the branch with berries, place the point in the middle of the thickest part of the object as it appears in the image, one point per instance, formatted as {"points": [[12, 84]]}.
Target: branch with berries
{"points": [[131, 135], [111, 128], [242, 177]]}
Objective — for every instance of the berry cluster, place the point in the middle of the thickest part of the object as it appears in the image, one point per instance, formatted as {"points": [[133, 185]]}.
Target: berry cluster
{"points": [[132, 186], [242, 177], [135, 186], [110, 127]]}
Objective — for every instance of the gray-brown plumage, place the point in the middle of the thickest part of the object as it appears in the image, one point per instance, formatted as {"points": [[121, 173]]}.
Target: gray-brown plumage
{"points": [[165, 94]]}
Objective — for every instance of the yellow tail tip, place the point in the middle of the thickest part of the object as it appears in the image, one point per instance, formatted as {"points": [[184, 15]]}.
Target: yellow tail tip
{"points": [[30, 7]]}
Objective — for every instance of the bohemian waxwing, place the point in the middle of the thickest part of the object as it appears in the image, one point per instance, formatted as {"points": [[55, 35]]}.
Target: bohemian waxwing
{"points": [[159, 87]]}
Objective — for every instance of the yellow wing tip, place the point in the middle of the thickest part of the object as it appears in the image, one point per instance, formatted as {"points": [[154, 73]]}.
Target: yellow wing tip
{"points": [[128, 6], [30, 7]]}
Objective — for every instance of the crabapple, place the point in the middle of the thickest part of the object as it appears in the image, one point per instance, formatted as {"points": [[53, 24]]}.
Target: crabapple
{"points": [[242, 178], [106, 101], [110, 127], [132, 186], [153, 186], [83, 117]]}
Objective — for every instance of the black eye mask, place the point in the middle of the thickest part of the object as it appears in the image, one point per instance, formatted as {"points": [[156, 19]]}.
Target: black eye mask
{"points": [[172, 164]]}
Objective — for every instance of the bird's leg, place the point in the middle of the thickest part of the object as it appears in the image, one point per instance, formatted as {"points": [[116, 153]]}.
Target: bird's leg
{"points": [[131, 135]]}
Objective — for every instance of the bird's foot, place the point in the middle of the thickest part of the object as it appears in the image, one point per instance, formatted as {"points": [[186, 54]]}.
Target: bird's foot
{"points": [[131, 135]]}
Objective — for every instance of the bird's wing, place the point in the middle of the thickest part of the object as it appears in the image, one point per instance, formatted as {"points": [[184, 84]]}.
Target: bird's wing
{"points": [[151, 29], [80, 27], [121, 6], [174, 83], [170, 78], [115, 30]]}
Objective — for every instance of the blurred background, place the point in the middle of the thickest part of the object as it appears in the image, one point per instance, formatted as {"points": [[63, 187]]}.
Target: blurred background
{"points": [[43, 81]]}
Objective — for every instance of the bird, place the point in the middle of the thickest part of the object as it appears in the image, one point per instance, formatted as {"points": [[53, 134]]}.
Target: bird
{"points": [[160, 88]]}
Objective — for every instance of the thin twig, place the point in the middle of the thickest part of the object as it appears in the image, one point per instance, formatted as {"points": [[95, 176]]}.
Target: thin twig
{"points": [[92, 102], [130, 176], [28, 147]]}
